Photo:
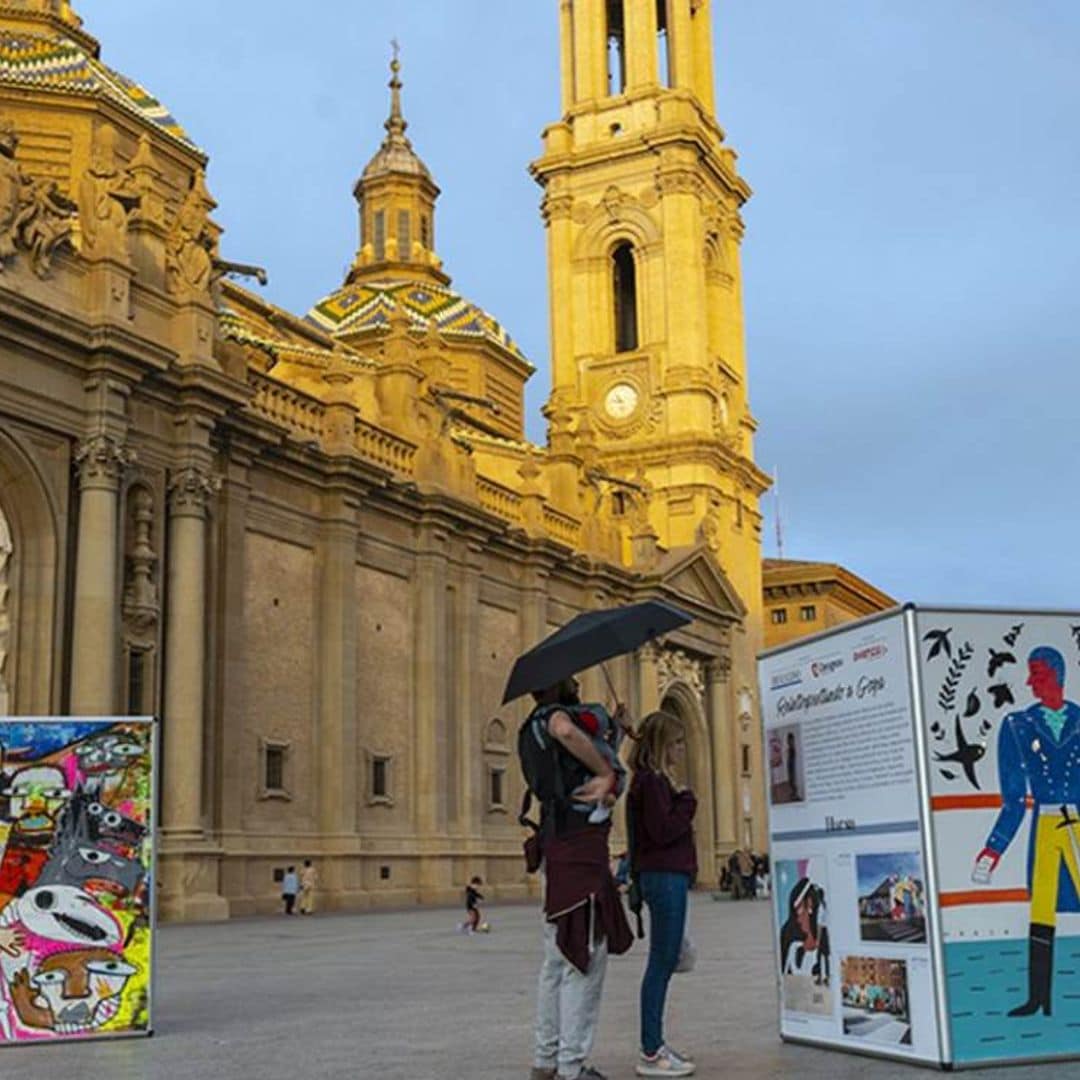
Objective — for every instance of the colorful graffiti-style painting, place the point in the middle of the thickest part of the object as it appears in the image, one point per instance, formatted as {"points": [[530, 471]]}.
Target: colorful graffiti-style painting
{"points": [[75, 879]]}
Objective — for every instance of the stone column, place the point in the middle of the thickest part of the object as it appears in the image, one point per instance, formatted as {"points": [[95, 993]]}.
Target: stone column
{"points": [[648, 679], [101, 460], [725, 771], [680, 34], [642, 62], [190, 876]]}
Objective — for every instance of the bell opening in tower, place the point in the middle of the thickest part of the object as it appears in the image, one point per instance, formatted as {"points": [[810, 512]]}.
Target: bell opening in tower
{"points": [[663, 44], [616, 47], [624, 288]]}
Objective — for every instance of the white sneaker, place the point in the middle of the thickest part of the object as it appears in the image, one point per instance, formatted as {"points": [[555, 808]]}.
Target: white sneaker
{"points": [[665, 1062]]}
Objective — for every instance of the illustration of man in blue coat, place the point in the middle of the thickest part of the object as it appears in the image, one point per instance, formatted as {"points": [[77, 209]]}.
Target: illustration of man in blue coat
{"points": [[1039, 754]]}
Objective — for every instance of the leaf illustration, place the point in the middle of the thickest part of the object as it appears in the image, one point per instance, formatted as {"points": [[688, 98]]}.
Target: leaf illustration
{"points": [[941, 643], [1011, 637], [973, 704], [948, 775]]}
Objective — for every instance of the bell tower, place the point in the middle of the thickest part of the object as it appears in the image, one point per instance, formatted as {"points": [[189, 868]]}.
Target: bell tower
{"points": [[642, 205]]}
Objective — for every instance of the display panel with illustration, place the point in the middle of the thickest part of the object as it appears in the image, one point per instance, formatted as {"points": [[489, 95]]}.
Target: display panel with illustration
{"points": [[805, 949], [892, 898], [999, 700], [75, 879], [785, 752], [875, 1000]]}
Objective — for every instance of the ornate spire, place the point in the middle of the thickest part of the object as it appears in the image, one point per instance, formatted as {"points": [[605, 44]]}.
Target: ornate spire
{"points": [[395, 124]]}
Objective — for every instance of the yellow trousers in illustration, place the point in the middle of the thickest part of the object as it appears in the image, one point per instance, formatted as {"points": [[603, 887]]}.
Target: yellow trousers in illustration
{"points": [[1053, 845]]}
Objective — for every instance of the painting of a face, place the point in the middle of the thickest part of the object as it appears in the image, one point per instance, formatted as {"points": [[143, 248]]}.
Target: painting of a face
{"points": [[36, 795], [107, 754], [81, 989], [68, 915]]}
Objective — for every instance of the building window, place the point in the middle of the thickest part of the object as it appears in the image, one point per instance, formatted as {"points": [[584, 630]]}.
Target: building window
{"points": [[808, 613], [496, 789], [616, 47], [380, 235], [778, 616], [404, 234], [275, 769], [425, 232], [380, 780], [624, 283], [618, 504], [746, 759]]}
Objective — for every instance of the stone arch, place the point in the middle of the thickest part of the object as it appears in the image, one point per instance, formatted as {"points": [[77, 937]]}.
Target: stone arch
{"points": [[613, 223], [31, 578], [683, 701]]}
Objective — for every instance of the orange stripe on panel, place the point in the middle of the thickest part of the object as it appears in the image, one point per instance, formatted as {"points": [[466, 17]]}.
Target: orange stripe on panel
{"points": [[984, 896]]}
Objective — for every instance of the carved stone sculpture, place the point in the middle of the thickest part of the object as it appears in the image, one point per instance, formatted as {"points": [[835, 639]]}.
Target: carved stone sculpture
{"points": [[34, 216], [189, 259], [107, 195]]}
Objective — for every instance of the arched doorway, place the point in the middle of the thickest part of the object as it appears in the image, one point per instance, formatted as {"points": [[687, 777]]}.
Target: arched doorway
{"points": [[682, 701], [29, 549]]}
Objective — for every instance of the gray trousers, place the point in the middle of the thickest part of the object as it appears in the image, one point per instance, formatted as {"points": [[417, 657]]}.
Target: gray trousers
{"points": [[567, 1008]]}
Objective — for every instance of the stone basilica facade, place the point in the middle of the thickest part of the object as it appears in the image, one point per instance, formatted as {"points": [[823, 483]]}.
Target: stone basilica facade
{"points": [[313, 544]]}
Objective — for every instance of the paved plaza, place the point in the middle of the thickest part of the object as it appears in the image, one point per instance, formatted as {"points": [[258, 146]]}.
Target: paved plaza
{"points": [[401, 996]]}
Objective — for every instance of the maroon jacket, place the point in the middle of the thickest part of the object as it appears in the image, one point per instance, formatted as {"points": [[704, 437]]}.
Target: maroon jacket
{"points": [[581, 897], [663, 825]]}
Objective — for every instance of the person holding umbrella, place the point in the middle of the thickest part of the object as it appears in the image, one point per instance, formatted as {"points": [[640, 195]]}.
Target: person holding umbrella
{"points": [[584, 920]]}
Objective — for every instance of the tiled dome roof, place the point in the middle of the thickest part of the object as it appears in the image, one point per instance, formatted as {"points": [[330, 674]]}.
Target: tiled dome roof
{"points": [[356, 308], [43, 62]]}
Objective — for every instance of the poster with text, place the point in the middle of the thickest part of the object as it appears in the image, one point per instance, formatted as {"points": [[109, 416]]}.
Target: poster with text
{"points": [[1000, 693], [845, 838], [76, 835]]}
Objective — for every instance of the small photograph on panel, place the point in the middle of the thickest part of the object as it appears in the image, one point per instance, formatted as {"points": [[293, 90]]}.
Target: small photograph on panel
{"points": [[786, 783], [805, 951], [875, 1000], [892, 898]]}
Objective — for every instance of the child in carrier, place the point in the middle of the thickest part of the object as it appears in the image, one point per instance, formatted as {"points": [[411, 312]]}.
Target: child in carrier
{"points": [[606, 737]]}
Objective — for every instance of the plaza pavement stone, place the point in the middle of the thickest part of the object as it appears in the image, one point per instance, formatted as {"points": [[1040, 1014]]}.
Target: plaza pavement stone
{"points": [[402, 996]]}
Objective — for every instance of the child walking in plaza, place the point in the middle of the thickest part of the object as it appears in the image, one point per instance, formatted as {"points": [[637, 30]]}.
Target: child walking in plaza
{"points": [[661, 815], [290, 886], [473, 919]]}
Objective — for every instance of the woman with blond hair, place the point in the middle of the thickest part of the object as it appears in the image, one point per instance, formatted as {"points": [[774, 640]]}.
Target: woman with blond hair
{"points": [[664, 857]]}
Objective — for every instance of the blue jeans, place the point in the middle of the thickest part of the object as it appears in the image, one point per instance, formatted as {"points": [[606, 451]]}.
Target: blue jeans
{"points": [[666, 895]]}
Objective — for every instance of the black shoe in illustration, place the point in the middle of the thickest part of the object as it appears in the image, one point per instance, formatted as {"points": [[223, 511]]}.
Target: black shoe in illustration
{"points": [[1040, 972]]}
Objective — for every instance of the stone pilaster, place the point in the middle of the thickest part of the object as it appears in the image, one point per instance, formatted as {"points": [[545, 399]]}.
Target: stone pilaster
{"points": [[725, 768], [648, 679], [101, 460], [429, 745], [468, 813], [189, 866]]}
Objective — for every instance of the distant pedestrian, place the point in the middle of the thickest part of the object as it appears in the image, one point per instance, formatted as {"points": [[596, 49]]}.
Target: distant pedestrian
{"points": [[792, 767], [309, 881], [473, 919], [745, 863], [290, 886], [662, 819]]}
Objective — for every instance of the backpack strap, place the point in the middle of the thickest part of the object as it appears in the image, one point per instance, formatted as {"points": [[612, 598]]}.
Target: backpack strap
{"points": [[526, 805]]}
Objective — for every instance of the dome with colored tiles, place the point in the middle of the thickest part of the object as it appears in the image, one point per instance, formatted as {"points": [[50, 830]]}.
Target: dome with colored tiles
{"points": [[357, 308], [57, 56]]}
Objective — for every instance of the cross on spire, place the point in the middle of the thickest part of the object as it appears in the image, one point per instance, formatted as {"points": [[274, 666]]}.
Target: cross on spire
{"points": [[395, 125]]}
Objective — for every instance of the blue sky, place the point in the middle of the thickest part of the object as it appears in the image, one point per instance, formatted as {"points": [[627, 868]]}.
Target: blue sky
{"points": [[911, 260]]}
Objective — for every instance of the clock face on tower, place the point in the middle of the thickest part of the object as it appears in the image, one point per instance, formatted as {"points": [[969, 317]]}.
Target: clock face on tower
{"points": [[621, 401]]}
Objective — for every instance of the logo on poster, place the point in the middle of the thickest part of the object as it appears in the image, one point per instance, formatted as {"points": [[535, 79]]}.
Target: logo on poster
{"points": [[874, 651], [783, 679], [824, 667]]}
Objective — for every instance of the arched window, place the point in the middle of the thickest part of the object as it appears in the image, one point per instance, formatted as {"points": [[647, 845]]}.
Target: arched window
{"points": [[624, 286]]}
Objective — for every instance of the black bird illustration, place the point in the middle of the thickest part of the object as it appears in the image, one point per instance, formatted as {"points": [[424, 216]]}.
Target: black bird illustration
{"points": [[1003, 695], [941, 643], [1076, 634], [948, 775], [997, 660], [973, 704], [966, 754], [1013, 634]]}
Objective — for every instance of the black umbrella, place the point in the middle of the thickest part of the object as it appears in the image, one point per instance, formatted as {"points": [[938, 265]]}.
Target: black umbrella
{"points": [[589, 639]]}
